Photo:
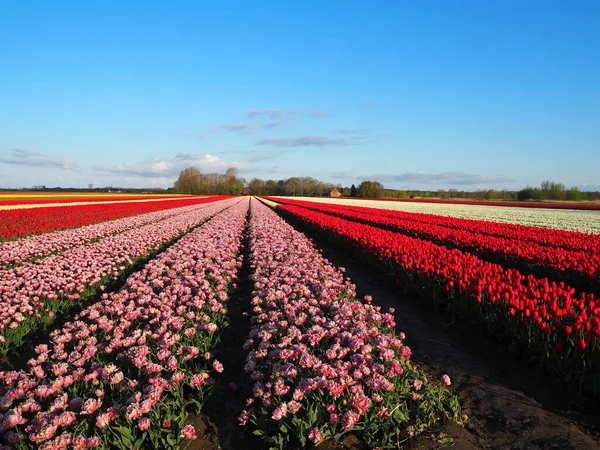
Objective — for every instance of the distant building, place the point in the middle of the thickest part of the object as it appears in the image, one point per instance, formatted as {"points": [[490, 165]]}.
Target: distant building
{"points": [[335, 193], [90, 186], [39, 187]]}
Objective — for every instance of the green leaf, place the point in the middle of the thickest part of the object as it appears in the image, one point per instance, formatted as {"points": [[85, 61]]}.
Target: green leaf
{"points": [[171, 440], [140, 441]]}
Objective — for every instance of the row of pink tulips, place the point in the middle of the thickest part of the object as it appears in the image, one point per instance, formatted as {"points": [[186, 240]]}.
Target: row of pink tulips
{"points": [[323, 362], [125, 371], [31, 294], [17, 252]]}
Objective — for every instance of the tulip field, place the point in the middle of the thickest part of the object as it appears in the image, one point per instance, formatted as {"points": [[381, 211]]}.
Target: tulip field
{"points": [[113, 312], [533, 286]]}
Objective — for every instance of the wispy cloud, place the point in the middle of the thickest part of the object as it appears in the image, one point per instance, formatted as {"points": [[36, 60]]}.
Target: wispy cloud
{"points": [[340, 175], [368, 105], [446, 178], [318, 114], [261, 156], [195, 136], [240, 128], [280, 116], [352, 131], [275, 116], [253, 155], [272, 113], [24, 157], [150, 168], [591, 185], [305, 141], [267, 170], [168, 167]]}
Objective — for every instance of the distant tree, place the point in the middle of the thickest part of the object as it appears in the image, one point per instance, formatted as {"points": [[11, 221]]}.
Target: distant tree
{"points": [[257, 186], [528, 193], [281, 187], [189, 181], [370, 189], [232, 183], [552, 190], [293, 186], [490, 195], [270, 187], [353, 192], [575, 194]]}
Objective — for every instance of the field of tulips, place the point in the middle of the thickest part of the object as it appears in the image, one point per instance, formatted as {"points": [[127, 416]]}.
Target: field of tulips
{"points": [[323, 362], [137, 362], [109, 331], [549, 321], [127, 370], [578, 268], [16, 252], [33, 293], [572, 220], [17, 223]]}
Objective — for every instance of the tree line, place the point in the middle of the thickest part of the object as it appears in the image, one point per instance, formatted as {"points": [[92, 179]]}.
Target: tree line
{"points": [[192, 181]]}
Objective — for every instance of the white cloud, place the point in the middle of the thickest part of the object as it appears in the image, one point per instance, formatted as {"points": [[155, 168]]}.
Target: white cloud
{"points": [[24, 157], [166, 170]]}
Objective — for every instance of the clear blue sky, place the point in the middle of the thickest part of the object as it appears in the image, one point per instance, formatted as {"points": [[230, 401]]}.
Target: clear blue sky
{"points": [[424, 95]]}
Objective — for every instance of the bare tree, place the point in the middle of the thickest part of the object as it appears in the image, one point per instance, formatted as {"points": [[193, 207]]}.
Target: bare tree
{"points": [[189, 182]]}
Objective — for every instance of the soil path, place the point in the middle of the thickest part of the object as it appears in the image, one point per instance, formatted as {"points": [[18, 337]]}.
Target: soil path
{"points": [[234, 387], [491, 386]]}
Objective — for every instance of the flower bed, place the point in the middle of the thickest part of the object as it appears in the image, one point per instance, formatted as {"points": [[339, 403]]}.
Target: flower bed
{"points": [[577, 268], [21, 250], [125, 372], [18, 223], [546, 320], [32, 200], [574, 205], [551, 237], [323, 362], [581, 221], [33, 293]]}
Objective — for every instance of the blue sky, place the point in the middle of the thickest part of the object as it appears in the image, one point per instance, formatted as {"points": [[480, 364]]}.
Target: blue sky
{"points": [[421, 95]]}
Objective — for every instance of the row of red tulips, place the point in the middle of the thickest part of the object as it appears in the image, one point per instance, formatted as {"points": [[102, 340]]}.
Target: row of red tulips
{"points": [[127, 370], [83, 198], [548, 237], [576, 268], [548, 320], [16, 223], [33, 293], [16, 252], [323, 362]]}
